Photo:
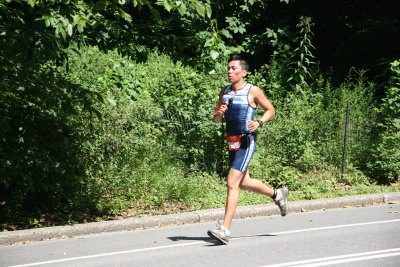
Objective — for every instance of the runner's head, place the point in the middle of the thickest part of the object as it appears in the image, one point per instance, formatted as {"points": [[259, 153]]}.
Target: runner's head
{"points": [[243, 62], [237, 69]]}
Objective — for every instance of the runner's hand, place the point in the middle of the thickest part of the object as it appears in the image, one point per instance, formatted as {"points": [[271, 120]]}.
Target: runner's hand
{"points": [[253, 125], [222, 109]]}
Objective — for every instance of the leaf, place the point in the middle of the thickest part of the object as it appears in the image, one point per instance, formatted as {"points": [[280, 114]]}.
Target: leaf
{"points": [[81, 24], [226, 33], [214, 54], [70, 28], [209, 10], [32, 3], [200, 8], [182, 8], [125, 15], [167, 5], [62, 31], [222, 46], [209, 42], [395, 63]]}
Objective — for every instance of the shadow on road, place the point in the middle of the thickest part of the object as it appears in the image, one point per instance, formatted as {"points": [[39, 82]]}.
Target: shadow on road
{"points": [[209, 239], [178, 238], [248, 236]]}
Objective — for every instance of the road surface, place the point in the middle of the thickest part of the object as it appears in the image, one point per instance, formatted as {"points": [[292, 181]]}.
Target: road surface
{"points": [[365, 236]]}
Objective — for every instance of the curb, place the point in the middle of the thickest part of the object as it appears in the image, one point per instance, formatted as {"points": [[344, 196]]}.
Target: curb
{"points": [[46, 233]]}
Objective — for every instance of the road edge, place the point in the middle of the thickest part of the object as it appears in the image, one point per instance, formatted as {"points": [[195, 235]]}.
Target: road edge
{"points": [[128, 224]]}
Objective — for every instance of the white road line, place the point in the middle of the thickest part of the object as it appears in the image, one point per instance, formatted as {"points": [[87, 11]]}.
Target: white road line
{"points": [[354, 259], [108, 254], [333, 227], [194, 243], [341, 259]]}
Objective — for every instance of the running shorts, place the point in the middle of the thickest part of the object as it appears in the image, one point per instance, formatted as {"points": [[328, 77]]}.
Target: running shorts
{"points": [[240, 159]]}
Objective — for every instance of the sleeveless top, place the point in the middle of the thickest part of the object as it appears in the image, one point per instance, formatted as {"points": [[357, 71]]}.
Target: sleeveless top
{"points": [[239, 110]]}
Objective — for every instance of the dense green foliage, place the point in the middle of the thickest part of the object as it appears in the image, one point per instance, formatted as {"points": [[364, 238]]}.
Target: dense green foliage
{"points": [[33, 32], [359, 33], [153, 143], [385, 162], [106, 106]]}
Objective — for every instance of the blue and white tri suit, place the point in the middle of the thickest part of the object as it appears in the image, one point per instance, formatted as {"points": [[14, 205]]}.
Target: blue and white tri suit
{"points": [[236, 117]]}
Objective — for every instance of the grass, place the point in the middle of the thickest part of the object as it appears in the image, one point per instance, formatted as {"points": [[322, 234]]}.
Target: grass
{"points": [[207, 192], [175, 193]]}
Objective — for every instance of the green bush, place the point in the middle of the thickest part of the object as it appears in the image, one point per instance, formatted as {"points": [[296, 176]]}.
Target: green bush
{"points": [[154, 136], [385, 161], [111, 135], [307, 133], [40, 168]]}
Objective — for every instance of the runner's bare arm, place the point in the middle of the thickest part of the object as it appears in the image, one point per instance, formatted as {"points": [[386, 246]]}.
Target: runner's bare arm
{"points": [[260, 99]]}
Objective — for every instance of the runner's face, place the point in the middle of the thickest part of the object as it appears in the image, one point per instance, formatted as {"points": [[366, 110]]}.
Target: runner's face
{"points": [[235, 71]]}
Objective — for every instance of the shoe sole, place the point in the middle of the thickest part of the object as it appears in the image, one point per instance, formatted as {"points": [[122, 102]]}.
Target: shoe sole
{"points": [[217, 238], [286, 200]]}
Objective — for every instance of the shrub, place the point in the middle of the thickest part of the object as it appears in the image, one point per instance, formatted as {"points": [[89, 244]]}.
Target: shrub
{"points": [[156, 133], [40, 170], [385, 161]]}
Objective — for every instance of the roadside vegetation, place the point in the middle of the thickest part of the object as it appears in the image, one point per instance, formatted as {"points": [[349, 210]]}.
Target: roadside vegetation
{"points": [[90, 131]]}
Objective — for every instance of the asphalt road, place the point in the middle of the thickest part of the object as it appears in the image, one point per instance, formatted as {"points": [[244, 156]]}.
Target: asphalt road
{"points": [[365, 236]]}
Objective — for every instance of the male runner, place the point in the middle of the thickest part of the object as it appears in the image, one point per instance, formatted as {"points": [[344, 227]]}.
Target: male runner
{"points": [[238, 102]]}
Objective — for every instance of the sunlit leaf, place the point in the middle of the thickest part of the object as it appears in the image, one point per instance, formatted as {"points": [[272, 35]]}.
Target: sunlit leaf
{"points": [[168, 5], [70, 28], [209, 10], [214, 54], [200, 8]]}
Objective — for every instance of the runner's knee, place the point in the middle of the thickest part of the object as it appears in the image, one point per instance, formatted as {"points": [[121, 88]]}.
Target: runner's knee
{"points": [[232, 186]]}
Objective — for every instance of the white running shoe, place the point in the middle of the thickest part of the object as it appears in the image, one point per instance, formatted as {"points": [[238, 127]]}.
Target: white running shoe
{"points": [[282, 202], [221, 234]]}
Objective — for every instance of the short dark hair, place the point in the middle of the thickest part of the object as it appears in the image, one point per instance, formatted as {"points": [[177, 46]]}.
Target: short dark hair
{"points": [[243, 62]]}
